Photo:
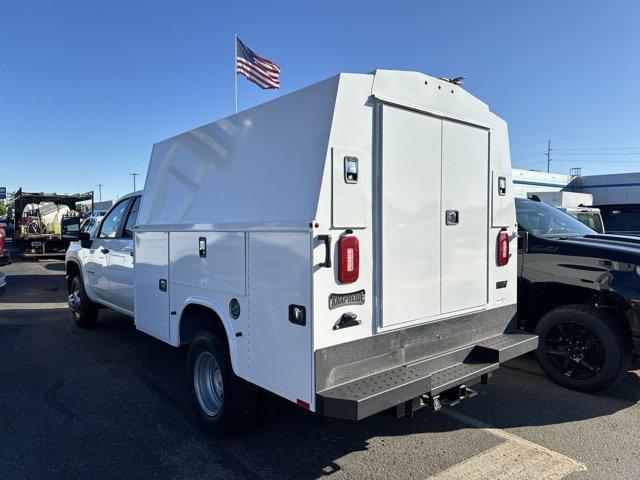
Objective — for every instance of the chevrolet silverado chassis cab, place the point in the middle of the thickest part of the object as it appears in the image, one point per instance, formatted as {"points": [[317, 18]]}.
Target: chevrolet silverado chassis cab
{"points": [[346, 246]]}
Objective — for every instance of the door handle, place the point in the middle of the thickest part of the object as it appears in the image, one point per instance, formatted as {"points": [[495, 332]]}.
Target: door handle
{"points": [[452, 217], [326, 239], [104, 250]]}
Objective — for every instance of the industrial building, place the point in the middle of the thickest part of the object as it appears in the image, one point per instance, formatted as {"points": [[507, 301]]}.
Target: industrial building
{"points": [[617, 188]]}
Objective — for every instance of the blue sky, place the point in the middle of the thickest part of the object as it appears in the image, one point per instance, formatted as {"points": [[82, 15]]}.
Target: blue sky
{"points": [[87, 87]]}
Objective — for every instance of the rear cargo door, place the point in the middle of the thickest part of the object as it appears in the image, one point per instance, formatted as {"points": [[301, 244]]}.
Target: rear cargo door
{"points": [[433, 219], [465, 190], [410, 215]]}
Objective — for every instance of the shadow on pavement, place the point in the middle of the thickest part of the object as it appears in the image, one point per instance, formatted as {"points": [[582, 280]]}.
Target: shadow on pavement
{"points": [[56, 267], [288, 442]]}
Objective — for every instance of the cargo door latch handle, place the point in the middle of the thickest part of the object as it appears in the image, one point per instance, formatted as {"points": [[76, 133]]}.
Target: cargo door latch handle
{"points": [[452, 217]]}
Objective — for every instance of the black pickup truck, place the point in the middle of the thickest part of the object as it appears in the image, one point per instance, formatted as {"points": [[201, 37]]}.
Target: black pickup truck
{"points": [[580, 292]]}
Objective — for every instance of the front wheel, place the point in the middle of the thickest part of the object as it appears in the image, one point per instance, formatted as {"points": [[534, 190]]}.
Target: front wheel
{"points": [[83, 310], [224, 403], [583, 348]]}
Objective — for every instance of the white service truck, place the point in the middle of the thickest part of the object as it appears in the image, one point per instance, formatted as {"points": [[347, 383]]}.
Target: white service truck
{"points": [[346, 246]]}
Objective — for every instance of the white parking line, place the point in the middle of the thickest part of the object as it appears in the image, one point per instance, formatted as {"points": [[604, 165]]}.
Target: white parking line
{"points": [[34, 306], [514, 459]]}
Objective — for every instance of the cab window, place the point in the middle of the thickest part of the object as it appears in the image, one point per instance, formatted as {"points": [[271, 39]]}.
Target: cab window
{"points": [[109, 228], [131, 219]]}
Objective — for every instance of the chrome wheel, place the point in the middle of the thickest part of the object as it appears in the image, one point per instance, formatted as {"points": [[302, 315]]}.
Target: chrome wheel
{"points": [[75, 302], [207, 381]]}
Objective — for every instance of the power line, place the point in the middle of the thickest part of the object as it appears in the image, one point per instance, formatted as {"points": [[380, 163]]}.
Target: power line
{"points": [[597, 135], [527, 155], [597, 148], [601, 154], [596, 161], [531, 163]]}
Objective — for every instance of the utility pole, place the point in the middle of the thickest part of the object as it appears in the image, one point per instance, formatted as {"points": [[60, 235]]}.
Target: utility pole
{"points": [[100, 191], [134, 175], [549, 150]]}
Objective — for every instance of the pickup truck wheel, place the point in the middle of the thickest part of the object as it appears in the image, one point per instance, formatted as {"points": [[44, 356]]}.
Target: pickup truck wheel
{"points": [[224, 403], [83, 310], [583, 348]]}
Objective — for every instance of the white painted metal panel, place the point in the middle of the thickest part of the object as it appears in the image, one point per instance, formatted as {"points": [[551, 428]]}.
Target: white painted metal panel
{"points": [[96, 269], [465, 152], [152, 266], [350, 205], [280, 352], [223, 268], [120, 263], [410, 216]]}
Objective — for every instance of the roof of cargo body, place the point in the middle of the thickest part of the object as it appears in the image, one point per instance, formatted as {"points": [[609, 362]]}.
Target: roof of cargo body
{"points": [[264, 166]]}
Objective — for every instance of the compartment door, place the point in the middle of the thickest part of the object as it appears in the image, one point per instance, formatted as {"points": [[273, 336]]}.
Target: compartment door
{"points": [[151, 273], [279, 344], [465, 173], [410, 215]]}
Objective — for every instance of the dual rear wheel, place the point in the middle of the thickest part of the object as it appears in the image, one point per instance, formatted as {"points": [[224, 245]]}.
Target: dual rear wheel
{"points": [[224, 403]]}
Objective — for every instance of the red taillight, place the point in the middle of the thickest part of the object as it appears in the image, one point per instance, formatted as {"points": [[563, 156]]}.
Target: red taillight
{"points": [[503, 248], [348, 259]]}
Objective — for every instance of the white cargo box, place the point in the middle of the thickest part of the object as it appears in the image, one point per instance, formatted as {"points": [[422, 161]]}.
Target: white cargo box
{"points": [[244, 218], [564, 199]]}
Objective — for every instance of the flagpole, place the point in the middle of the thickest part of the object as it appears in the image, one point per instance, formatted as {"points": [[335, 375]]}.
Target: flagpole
{"points": [[235, 67]]}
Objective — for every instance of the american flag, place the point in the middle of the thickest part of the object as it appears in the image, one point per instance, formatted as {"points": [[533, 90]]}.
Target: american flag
{"points": [[259, 70]]}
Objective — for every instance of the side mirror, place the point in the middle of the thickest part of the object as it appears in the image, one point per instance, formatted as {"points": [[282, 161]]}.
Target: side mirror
{"points": [[85, 240], [523, 240]]}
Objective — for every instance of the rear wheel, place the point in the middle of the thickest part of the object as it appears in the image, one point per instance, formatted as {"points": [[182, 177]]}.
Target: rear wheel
{"points": [[83, 310], [224, 403], [583, 348]]}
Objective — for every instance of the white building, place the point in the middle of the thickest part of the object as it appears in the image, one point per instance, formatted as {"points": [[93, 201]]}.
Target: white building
{"points": [[525, 181], [606, 189]]}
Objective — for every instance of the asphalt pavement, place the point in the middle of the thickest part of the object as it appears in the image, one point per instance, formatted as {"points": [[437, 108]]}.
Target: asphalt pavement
{"points": [[110, 403]]}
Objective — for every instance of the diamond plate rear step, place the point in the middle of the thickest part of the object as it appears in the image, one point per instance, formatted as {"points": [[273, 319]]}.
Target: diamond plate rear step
{"points": [[372, 394]]}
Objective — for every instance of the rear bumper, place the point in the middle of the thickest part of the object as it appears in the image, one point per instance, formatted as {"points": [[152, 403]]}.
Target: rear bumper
{"points": [[360, 378], [366, 396]]}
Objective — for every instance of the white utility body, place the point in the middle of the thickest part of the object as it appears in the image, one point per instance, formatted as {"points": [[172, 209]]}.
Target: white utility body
{"points": [[351, 238], [564, 199]]}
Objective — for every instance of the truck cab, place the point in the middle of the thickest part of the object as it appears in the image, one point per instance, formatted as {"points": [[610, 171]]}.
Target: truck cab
{"points": [[100, 267]]}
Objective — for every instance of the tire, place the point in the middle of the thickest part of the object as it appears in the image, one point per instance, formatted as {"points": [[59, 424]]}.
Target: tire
{"points": [[85, 314], [231, 411], [583, 348]]}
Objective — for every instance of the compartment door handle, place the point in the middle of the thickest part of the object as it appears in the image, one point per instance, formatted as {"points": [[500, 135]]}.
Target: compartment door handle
{"points": [[326, 239]]}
